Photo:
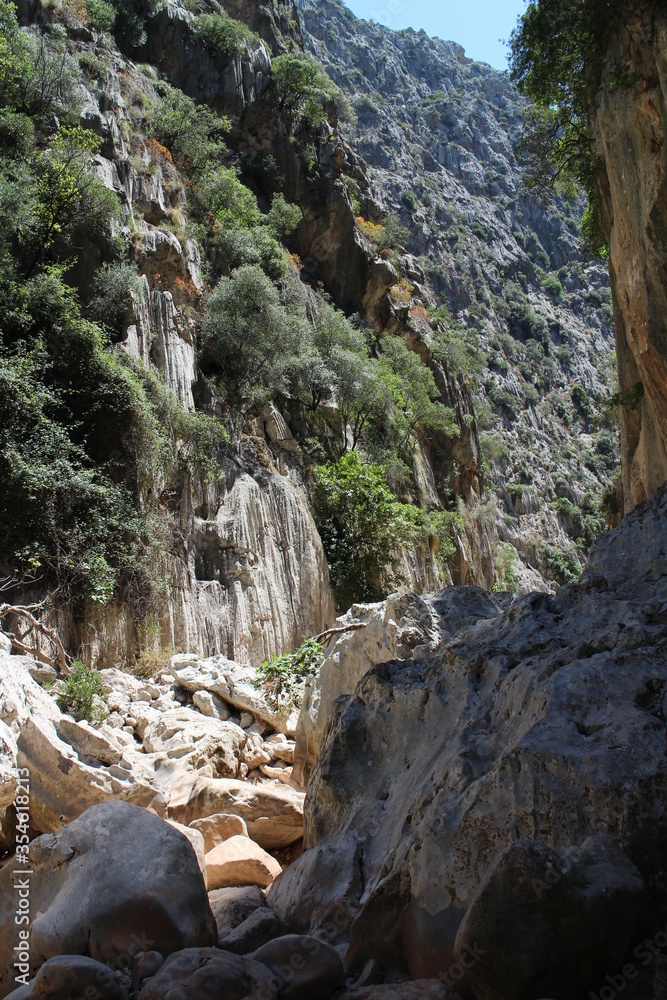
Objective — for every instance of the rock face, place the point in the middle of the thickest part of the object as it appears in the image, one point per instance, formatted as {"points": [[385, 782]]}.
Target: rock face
{"points": [[543, 722], [240, 862], [208, 974], [630, 123], [105, 886]]}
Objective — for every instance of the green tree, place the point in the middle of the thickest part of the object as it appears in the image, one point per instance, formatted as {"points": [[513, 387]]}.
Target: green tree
{"points": [[558, 55], [301, 87], [192, 132], [362, 526], [247, 338]]}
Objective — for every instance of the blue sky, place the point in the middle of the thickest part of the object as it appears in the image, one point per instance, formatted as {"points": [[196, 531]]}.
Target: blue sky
{"points": [[477, 25]]}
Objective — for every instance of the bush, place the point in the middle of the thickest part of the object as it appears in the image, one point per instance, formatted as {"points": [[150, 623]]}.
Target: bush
{"points": [[113, 291], [552, 286], [280, 677], [81, 694], [192, 132], [247, 338], [563, 564], [361, 525], [222, 35], [301, 88], [101, 15]]}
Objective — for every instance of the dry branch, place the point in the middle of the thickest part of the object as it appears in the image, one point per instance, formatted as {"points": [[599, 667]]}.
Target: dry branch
{"points": [[60, 661], [324, 637]]}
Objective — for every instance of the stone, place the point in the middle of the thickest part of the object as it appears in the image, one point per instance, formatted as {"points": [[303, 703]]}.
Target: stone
{"points": [[549, 924], [247, 720], [211, 705], [196, 839], [42, 673], [423, 989], [235, 684], [5, 644], [88, 741], [66, 976], [145, 965], [233, 905], [306, 967], [273, 813], [349, 657], [63, 784], [209, 974], [256, 930], [8, 773], [218, 828], [105, 885], [195, 740], [239, 861], [283, 750], [20, 696], [541, 721], [255, 756]]}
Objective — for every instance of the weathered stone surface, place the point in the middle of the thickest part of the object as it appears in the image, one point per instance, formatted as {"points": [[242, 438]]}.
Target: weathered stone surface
{"points": [[218, 828], [232, 682], [145, 965], [549, 925], [234, 905], [423, 989], [240, 861], [256, 930], [63, 783], [273, 813], [545, 722], [403, 626], [21, 696], [106, 886], [196, 840], [307, 968], [8, 774], [66, 976], [630, 124], [209, 974], [211, 705], [195, 740]]}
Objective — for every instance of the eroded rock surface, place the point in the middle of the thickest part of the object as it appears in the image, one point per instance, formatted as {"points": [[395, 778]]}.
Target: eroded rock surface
{"points": [[544, 722]]}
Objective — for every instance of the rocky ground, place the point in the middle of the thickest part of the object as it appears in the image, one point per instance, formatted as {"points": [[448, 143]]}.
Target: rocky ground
{"points": [[485, 807]]}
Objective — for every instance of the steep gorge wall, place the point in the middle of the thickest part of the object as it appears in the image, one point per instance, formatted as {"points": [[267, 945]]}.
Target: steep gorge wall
{"points": [[630, 122]]}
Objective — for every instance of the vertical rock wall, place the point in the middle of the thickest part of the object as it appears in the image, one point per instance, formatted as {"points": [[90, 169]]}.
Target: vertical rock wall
{"points": [[630, 121]]}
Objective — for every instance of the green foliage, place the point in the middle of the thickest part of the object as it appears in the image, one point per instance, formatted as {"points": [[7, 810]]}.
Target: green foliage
{"points": [[504, 561], [558, 55], [442, 527], [131, 21], [101, 15], [362, 526], [581, 399], [192, 132], [247, 338], [302, 88], [283, 218], [113, 291], [563, 564], [281, 676], [81, 693], [456, 346], [552, 286], [223, 36]]}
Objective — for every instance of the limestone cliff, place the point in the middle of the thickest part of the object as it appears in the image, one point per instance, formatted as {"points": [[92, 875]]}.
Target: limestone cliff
{"points": [[629, 122]]}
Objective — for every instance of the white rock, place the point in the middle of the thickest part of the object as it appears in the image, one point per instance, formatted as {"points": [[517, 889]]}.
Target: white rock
{"points": [[239, 861], [186, 735], [210, 704]]}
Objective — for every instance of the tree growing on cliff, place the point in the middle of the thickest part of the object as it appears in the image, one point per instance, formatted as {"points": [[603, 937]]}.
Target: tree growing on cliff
{"points": [[558, 56]]}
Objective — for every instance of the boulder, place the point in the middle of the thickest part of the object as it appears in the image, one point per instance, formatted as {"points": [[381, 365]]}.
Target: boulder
{"points": [[197, 841], [211, 705], [63, 784], [209, 974], [235, 684], [68, 976], [546, 924], [273, 813], [239, 861], [218, 828], [539, 717], [422, 989], [116, 881], [8, 774], [305, 967], [256, 930], [145, 965], [233, 905], [20, 696], [196, 740], [403, 626]]}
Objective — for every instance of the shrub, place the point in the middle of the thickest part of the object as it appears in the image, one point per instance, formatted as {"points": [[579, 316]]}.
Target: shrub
{"points": [[552, 286], [563, 564], [223, 36], [361, 525], [81, 693], [101, 15], [192, 132], [504, 561], [301, 88], [247, 338], [281, 676], [113, 291]]}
